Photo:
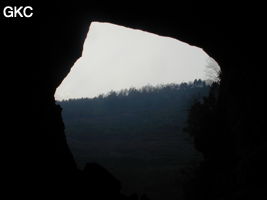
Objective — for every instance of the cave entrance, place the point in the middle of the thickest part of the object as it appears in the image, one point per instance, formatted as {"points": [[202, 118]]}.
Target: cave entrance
{"points": [[125, 102]]}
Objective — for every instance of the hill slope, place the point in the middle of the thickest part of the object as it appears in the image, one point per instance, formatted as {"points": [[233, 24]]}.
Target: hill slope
{"points": [[136, 134]]}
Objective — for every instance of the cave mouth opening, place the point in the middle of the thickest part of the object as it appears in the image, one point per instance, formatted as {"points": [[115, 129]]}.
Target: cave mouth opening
{"points": [[125, 102]]}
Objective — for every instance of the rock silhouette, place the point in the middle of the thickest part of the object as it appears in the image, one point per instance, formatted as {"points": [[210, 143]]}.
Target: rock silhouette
{"points": [[48, 45]]}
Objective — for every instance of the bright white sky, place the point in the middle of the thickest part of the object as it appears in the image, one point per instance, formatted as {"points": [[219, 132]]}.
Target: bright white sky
{"points": [[115, 57]]}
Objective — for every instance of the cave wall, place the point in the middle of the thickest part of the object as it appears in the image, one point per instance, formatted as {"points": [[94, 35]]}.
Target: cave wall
{"points": [[227, 33]]}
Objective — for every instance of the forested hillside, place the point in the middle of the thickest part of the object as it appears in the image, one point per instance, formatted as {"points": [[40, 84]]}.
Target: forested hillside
{"points": [[136, 133]]}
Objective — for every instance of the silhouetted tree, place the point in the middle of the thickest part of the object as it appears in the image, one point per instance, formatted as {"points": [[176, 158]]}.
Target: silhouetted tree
{"points": [[213, 71], [201, 121]]}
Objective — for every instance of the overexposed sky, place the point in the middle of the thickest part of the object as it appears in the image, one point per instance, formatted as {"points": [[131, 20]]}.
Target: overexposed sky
{"points": [[115, 57]]}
